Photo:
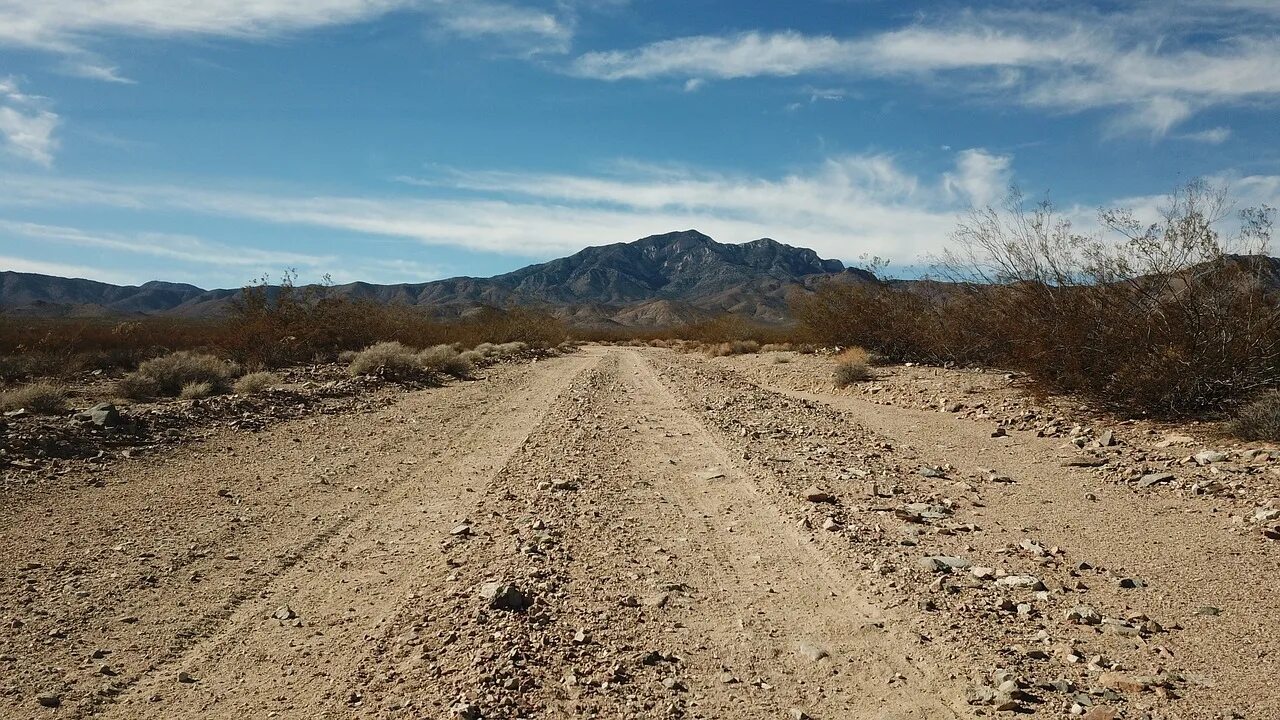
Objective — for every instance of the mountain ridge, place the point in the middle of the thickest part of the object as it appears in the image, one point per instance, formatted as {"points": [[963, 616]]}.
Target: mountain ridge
{"points": [[666, 279]]}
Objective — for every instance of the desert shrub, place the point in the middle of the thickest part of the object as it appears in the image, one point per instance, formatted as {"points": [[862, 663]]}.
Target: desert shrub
{"points": [[775, 347], [471, 357], [1167, 317], [43, 398], [445, 359], [256, 383], [389, 359], [346, 356], [196, 390], [135, 386], [169, 374], [509, 349], [1258, 420], [850, 371], [780, 359]]}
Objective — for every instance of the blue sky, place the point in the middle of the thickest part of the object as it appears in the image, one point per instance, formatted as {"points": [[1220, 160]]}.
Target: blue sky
{"points": [[212, 141]]}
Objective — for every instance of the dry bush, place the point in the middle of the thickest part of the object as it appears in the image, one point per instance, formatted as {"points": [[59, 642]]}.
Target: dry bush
{"points": [[196, 390], [169, 374], [850, 371], [780, 359], [43, 398], [473, 357], [776, 347], [1258, 420], [388, 359], [1156, 317], [256, 383], [446, 359]]}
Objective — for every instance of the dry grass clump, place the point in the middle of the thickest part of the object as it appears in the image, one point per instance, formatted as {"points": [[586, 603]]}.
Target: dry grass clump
{"points": [[170, 374], [780, 359], [43, 398], [446, 359], [256, 383], [196, 390], [474, 357], [389, 359], [733, 347], [775, 347], [852, 367], [1258, 420]]}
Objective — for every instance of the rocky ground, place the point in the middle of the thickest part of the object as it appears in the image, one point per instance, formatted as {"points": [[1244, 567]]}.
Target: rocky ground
{"points": [[636, 533]]}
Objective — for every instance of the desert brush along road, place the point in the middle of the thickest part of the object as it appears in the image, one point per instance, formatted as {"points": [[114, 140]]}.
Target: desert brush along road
{"points": [[627, 533]]}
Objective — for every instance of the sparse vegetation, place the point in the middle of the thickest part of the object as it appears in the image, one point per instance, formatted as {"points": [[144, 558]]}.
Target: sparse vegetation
{"points": [[389, 359], [42, 398], [446, 359], [1168, 317], [1258, 420], [851, 367], [170, 374], [256, 383], [196, 390]]}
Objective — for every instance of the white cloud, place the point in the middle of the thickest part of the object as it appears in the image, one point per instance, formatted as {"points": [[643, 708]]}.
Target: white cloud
{"points": [[194, 259], [1054, 60], [72, 27], [533, 31], [845, 207], [980, 178], [26, 126], [64, 25], [1212, 136], [41, 267]]}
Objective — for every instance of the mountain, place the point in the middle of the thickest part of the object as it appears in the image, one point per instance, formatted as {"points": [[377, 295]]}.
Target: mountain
{"points": [[659, 280]]}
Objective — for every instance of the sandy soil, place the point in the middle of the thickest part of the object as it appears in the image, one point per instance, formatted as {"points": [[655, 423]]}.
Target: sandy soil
{"points": [[632, 533]]}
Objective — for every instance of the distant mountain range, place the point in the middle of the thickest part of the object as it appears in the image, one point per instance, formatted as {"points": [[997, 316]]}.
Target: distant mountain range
{"points": [[660, 280]]}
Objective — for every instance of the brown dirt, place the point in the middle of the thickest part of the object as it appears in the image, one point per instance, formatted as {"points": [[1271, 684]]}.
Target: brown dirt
{"points": [[648, 508]]}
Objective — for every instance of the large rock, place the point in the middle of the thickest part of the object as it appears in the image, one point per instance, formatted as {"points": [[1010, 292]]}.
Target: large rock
{"points": [[103, 415]]}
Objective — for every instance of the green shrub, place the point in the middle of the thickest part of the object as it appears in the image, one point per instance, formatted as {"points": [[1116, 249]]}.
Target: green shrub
{"points": [[42, 398]]}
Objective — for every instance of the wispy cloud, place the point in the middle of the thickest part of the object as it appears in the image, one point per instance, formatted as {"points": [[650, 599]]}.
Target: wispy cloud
{"points": [[1212, 136], [195, 259], [73, 28], [1139, 61], [26, 125], [528, 30], [843, 207]]}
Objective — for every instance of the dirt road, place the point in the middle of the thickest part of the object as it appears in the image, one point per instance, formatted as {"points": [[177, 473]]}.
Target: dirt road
{"points": [[624, 533]]}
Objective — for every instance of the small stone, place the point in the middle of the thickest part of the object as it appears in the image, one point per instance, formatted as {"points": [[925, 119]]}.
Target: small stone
{"points": [[1101, 712], [501, 596], [1208, 610], [798, 714], [1106, 438], [49, 700], [284, 613], [811, 651], [581, 637], [1083, 615], [815, 494], [1155, 479], [1131, 583], [185, 677], [466, 711], [1208, 457], [943, 563], [831, 524], [459, 530], [1021, 581]]}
